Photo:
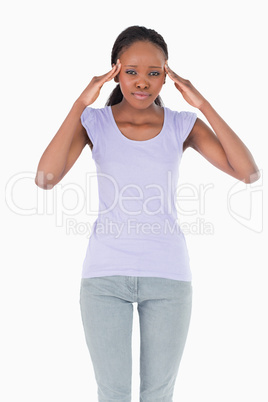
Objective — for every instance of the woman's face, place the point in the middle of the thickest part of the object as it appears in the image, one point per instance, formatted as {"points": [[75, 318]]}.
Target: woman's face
{"points": [[142, 74]]}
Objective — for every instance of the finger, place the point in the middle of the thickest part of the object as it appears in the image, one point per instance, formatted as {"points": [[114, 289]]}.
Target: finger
{"points": [[117, 71], [113, 72], [166, 67], [175, 77], [171, 73]]}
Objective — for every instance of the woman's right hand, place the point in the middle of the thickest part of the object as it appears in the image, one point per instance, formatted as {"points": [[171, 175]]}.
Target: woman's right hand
{"points": [[92, 91]]}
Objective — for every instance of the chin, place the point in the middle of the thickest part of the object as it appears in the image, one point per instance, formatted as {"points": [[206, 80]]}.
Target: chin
{"points": [[142, 104]]}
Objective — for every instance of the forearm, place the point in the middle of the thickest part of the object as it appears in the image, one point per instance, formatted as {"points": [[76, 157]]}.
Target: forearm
{"points": [[238, 155], [54, 158]]}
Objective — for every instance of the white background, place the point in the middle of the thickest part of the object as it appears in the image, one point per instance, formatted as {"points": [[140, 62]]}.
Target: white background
{"points": [[50, 51]]}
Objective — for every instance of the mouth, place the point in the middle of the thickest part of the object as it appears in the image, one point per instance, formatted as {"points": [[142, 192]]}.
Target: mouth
{"points": [[141, 95]]}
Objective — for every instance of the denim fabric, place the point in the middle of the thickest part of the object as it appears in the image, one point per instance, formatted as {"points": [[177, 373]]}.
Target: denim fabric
{"points": [[164, 308]]}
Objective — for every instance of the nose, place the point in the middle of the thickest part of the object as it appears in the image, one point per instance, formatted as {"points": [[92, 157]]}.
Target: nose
{"points": [[142, 83]]}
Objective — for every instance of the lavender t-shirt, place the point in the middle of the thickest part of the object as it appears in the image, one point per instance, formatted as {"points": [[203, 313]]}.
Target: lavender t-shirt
{"points": [[137, 232]]}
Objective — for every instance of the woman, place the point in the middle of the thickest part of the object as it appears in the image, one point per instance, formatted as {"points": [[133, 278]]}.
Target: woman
{"points": [[136, 252]]}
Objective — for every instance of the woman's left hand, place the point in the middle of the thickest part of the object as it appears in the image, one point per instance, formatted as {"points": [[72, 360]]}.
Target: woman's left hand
{"points": [[188, 91]]}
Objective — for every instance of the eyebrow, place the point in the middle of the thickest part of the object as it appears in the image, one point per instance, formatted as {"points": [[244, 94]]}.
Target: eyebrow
{"points": [[132, 65]]}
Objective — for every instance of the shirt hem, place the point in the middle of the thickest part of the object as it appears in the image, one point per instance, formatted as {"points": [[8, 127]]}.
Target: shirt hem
{"points": [[131, 272]]}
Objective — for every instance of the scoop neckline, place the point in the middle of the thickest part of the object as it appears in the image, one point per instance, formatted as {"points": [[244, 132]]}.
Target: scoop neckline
{"points": [[138, 141]]}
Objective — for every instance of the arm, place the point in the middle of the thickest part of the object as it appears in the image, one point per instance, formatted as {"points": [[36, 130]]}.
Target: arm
{"points": [[63, 150], [223, 148], [71, 138]]}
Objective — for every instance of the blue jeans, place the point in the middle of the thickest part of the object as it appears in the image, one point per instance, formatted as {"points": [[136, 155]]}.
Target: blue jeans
{"points": [[164, 307]]}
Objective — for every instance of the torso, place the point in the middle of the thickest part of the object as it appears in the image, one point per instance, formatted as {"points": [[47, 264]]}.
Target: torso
{"points": [[139, 131]]}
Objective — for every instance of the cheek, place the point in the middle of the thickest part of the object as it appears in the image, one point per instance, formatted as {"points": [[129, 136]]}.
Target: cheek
{"points": [[161, 82], [124, 81], [125, 86]]}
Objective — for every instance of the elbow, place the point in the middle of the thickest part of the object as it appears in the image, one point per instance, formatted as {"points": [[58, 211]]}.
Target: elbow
{"points": [[45, 181], [252, 177], [44, 186]]}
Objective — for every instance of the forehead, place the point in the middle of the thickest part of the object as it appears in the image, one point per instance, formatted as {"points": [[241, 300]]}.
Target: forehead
{"points": [[142, 53]]}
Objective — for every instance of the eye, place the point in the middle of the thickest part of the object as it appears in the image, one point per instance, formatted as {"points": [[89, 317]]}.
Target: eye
{"points": [[154, 73], [132, 72]]}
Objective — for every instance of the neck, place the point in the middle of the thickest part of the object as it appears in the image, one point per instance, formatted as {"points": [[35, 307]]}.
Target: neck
{"points": [[133, 114]]}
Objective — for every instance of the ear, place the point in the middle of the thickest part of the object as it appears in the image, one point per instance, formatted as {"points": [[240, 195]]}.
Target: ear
{"points": [[116, 79]]}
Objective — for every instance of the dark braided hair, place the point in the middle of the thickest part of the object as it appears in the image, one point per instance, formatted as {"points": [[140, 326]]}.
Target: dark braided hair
{"points": [[125, 39]]}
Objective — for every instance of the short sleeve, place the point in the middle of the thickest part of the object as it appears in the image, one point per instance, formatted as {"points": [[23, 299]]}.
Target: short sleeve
{"points": [[185, 122], [88, 121]]}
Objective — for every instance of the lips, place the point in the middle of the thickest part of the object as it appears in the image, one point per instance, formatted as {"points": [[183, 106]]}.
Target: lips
{"points": [[141, 95]]}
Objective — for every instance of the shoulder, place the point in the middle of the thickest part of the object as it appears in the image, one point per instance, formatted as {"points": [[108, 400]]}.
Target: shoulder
{"points": [[94, 120], [91, 113], [92, 117], [183, 122], [181, 118]]}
